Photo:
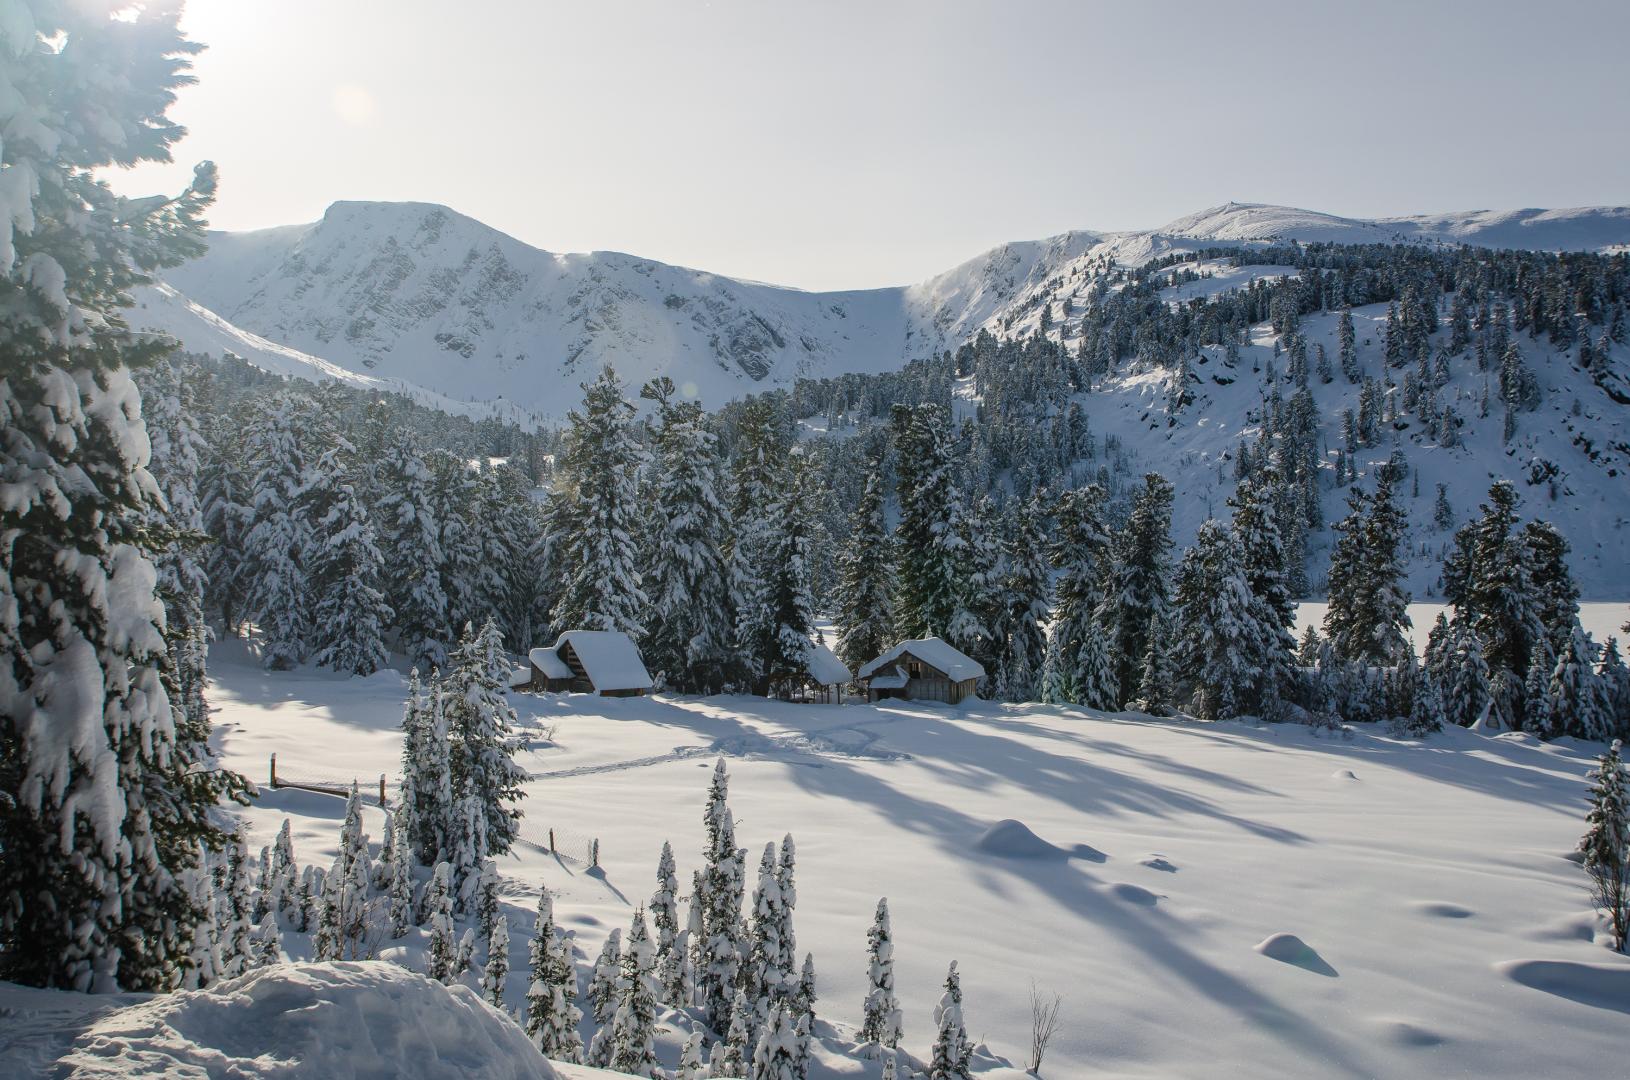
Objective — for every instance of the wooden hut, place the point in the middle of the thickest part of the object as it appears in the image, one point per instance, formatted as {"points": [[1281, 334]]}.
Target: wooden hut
{"points": [[603, 662], [923, 669], [822, 679]]}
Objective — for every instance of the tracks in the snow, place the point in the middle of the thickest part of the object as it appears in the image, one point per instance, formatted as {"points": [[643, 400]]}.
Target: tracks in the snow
{"points": [[793, 748]]}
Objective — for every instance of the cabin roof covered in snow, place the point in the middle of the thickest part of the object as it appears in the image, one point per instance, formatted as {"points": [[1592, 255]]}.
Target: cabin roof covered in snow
{"points": [[609, 658], [936, 652], [825, 667], [549, 662]]}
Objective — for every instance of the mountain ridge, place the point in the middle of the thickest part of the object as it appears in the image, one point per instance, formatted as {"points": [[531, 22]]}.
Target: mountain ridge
{"points": [[421, 296]]}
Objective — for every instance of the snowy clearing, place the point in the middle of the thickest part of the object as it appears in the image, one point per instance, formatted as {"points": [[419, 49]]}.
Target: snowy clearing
{"points": [[1430, 884]]}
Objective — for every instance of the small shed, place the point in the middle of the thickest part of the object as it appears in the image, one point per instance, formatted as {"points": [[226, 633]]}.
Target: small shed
{"points": [[922, 669], [822, 680], [604, 662]]}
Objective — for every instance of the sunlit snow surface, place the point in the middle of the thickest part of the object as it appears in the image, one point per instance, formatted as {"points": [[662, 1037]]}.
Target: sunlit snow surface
{"points": [[1439, 926]]}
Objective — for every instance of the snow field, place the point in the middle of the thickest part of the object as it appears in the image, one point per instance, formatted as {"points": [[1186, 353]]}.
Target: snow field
{"points": [[1432, 880]]}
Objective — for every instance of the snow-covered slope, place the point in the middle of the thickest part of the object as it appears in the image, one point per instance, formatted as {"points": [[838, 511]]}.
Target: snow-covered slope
{"points": [[420, 294]]}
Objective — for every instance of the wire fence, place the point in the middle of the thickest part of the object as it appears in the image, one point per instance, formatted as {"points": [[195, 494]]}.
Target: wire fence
{"points": [[567, 844]]}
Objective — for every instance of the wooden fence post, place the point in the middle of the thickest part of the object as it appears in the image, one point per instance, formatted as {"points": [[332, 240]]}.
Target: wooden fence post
{"points": [[594, 853], [274, 770], [381, 789], [551, 841]]}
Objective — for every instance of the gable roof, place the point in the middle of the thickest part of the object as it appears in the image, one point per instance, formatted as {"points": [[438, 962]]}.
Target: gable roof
{"points": [[609, 658], [936, 652], [549, 662], [825, 667]]}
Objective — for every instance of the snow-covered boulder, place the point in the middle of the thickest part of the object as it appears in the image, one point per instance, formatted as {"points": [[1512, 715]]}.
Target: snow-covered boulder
{"points": [[334, 1021]]}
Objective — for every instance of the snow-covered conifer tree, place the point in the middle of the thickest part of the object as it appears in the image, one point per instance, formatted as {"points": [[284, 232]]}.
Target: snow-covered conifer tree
{"points": [[689, 620], [349, 612], [880, 1012], [778, 1053], [863, 605], [1577, 697], [691, 1066], [720, 950], [100, 815], [479, 719], [1606, 843], [633, 1045], [603, 1001], [1026, 604], [235, 909], [1366, 619], [400, 887], [597, 516], [928, 539], [496, 973], [952, 1055], [1138, 593], [277, 547], [409, 540], [665, 918], [1222, 637], [551, 1011], [1081, 554]]}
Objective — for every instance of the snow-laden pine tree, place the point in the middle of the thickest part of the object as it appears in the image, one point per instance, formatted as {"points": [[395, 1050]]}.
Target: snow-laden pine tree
{"points": [[1077, 661], [929, 538], [952, 1055], [455, 502], [758, 483], [738, 1040], [349, 612], [409, 538], [551, 1010], [425, 805], [669, 950], [720, 949], [1366, 620], [1255, 527], [343, 925], [177, 452], [224, 491], [762, 980], [399, 888], [602, 999], [1615, 677], [98, 823], [479, 720], [1223, 635], [234, 909], [1026, 589], [778, 1052], [689, 618], [1138, 596], [1486, 579], [633, 1028], [691, 1065], [803, 995], [496, 972], [507, 522], [487, 912], [277, 547], [880, 1011], [1577, 695], [596, 519], [283, 879], [776, 620], [1606, 843], [1464, 680], [864, 611], [786, 872]]}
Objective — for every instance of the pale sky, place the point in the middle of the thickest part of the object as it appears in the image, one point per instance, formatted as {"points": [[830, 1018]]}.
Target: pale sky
{"points": [[847, 145]]}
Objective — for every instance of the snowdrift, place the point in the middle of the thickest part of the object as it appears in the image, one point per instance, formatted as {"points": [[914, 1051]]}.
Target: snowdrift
{"points": [[334, 1021]]}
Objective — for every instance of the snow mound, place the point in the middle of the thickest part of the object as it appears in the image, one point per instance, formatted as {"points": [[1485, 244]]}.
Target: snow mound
{"points": [[1442, 909], [1159, 862], [1601, 986], [1290, 949], [333, 1021], [1133, 894], [1013, 839], [1343, 774], [1405, 1033]]}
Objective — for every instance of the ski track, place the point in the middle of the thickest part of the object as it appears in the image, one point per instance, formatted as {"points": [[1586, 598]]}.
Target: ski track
{"points": [[792, 748]]}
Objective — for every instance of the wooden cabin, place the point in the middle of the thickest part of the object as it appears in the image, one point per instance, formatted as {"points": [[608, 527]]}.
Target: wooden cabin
{"points": [[821, 681], [604, 662], [923, 669]]}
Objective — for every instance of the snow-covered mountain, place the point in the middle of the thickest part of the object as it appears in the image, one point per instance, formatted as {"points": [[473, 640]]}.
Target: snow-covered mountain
{"points": [[437, 304]]}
